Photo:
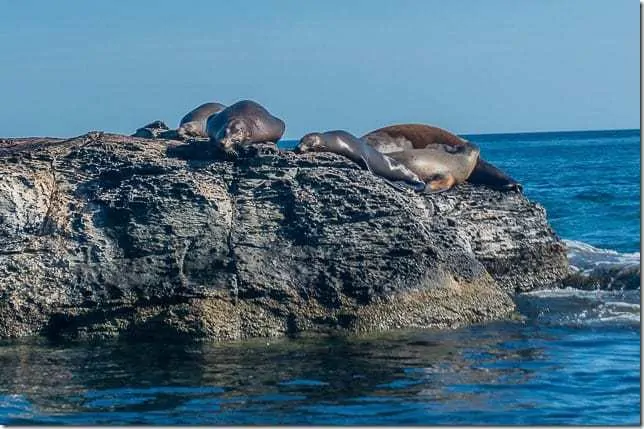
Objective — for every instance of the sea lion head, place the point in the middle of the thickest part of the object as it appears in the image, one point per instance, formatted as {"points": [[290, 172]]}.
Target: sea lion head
{"points": [[190, 129], [235, 132], [467, 149], [312, 142]]}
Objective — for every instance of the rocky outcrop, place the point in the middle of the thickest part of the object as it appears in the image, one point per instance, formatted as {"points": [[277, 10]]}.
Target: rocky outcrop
{"points": [[107, 235], [613, 277]]}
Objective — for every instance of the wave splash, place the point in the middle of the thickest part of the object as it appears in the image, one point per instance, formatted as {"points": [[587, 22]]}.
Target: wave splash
{"points": [[595, 268], [603, 289], [584, 257], [575, 307]]}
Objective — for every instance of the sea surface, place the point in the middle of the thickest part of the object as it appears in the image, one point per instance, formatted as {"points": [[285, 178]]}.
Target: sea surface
{"points": [[573, 357]]}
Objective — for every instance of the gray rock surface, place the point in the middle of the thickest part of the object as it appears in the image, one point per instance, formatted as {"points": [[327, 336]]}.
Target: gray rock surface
{"points": [[615, 277], [107, 235]]}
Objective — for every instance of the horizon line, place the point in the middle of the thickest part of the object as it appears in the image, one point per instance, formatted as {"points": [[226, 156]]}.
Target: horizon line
{"points": [[553, 131], [457, 133], [529, 132]]}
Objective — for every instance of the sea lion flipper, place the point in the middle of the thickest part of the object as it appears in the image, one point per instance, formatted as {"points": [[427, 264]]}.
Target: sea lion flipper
{"points": [[366, 163], [438, 183], [401, 185], [395, 185], [439, 191], [486, 174], [405, 186]]}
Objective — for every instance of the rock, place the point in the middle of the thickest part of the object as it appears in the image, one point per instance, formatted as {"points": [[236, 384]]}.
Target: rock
{"points": [[147, 133], [611, 277], [509, 235], [157, 125], [107, 235], [156, 129]]}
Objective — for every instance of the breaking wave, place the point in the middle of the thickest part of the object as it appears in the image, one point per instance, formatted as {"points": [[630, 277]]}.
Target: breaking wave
{"points": [[603, 290], [586, 258], [595, 268], [570, 307]]}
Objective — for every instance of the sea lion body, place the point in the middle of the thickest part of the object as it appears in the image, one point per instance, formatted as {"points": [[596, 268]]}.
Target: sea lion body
{"points": [[346, 144], [403, 137], [440, 166], [193, 124], [241, 123], [409, 136]]}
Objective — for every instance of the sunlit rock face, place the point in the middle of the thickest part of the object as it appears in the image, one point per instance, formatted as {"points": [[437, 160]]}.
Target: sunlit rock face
{"points": [[107, 235]]}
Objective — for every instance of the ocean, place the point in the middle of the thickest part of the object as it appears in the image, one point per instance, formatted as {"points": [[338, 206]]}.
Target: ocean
{"points": [[573, 357]]}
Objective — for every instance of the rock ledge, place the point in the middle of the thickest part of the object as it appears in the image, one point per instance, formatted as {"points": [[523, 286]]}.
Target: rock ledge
{"points": [[107, 235]]}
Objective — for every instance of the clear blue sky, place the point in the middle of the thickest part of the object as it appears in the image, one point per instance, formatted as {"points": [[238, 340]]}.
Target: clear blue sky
{"points": [[472, 66]]}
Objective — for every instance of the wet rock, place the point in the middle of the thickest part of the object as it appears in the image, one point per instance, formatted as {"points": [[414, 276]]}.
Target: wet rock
{"points": [[611, 277], [107, 235]]}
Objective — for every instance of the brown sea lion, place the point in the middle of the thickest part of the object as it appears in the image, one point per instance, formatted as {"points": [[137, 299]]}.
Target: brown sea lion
{"points": [[441, 166], [193, 124], [241, 123], [417, 136], [346, 144]]}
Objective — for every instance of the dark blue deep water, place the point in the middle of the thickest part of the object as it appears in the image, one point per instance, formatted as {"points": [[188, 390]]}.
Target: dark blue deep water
{"points": [[574, 358]]}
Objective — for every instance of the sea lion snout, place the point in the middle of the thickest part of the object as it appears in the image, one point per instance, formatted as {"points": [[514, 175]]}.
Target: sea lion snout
{"points": [[309, 143], [232, 135], [193, 124]]}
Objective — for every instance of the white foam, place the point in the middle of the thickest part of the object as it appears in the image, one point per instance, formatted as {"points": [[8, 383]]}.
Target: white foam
{"points": [[615, 312], [565, 293], [594, 319], [584, 257], [582, 307], [625, 305], [618, 318]]}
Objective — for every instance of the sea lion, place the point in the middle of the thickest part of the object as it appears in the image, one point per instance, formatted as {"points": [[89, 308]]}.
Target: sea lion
{"points": [[417, 136], [346, 144], [440, 166], [241, 123], [193, 124], [395, 138]]}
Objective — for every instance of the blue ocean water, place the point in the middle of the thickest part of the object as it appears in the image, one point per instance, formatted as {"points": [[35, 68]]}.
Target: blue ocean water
{"points": [[589, 182], [573, 358]]}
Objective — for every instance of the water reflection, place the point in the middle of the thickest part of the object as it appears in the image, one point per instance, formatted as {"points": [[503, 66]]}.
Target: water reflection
{"points": [[484, 374]]}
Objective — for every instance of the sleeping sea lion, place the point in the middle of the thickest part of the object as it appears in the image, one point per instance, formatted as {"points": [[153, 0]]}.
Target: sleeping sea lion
{"points": [[417, 136], [241, 123], [346, 144]]}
